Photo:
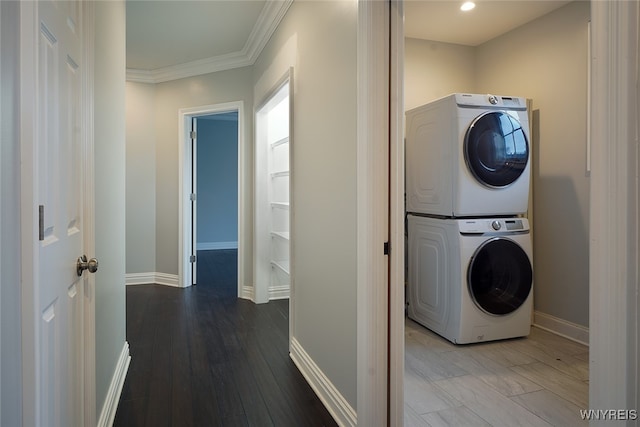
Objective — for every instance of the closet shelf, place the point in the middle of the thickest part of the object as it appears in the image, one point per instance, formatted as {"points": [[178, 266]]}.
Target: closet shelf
{"points": [[281, 234], [280, 142], [280, 205], [281, 265], [280, 174]]}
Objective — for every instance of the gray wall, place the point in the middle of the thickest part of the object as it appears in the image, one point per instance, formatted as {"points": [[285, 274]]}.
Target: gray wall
{"points": [[10, 302], [435, 69], [217, 182], [221, 87], [141, 178], [545, 60], [552, 70], [109, 121], [319, 40], [152, 163]]}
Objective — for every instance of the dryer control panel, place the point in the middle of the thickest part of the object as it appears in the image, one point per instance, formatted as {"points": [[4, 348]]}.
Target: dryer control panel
{"points": [[493, 225], [477, 100]]}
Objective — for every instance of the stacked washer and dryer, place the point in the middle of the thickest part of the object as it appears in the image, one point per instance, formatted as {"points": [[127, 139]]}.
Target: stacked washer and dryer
{"points": [[470, 273]]}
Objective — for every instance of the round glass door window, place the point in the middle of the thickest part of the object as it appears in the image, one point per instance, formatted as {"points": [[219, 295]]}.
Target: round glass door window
{"points": [[496, 149], [499, 277]]}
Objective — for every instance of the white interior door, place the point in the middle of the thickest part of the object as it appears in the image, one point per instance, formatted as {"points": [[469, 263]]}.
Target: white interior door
{"points": [[59, 293], [193, 258]]}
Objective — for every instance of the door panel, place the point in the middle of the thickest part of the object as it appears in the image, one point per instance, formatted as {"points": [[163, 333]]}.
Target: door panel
{"points": [[59, 188]]}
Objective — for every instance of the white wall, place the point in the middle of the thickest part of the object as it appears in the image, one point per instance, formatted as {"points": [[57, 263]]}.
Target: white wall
{"points": [[10, 302], [141, 178], [545, 60], [319, 40], [109, 121]]}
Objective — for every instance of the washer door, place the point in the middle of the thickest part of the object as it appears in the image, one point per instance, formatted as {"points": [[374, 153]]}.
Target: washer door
{"points": [[499, 277], [496, 149]]}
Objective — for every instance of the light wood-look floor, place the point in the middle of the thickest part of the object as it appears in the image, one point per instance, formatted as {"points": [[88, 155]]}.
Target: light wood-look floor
{"points": [[540, 380]]}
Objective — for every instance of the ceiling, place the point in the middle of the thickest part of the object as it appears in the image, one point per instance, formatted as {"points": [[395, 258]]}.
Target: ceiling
{"points": [[443, 21], [168, 39], [164, 33]]}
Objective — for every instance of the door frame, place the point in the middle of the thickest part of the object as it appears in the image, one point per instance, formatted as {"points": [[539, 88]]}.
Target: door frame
{"points": [[260, 277], [614, 295], [185, 172], [614, 249], [29, 251], [380, 213]]}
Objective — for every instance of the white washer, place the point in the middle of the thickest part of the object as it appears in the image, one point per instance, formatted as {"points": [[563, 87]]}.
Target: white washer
{"points": [[470, 280], [468, 155]]}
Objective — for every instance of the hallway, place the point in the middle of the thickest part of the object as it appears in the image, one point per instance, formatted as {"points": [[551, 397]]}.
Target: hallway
{"points": [[202, 357]]}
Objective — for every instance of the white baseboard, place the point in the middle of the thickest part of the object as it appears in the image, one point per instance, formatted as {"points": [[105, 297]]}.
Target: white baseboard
{"points": [[110, 404], [572, 331], [152, 279], [278, 292], [247, 292], [335, 403], [211, 246]]}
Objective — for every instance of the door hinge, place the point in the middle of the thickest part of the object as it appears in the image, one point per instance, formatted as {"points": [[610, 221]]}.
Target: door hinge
{"points": [[192, 134], [41, 222], [387, 248], [192, 197], [192, 259]]}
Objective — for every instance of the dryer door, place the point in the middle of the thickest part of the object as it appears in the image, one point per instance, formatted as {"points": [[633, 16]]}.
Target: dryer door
{"points": [[500, 276], [496, 149]]}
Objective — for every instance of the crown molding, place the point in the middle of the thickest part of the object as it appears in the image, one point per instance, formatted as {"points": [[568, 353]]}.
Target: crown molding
{"points": [[266, 24]]}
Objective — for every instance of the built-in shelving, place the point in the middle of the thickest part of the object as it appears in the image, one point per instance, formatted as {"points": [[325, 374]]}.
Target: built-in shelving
{"points": [[273, 210], [279, 200]]}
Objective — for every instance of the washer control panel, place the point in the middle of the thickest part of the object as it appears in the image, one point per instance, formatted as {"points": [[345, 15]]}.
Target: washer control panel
{"points": [[493, 225]]}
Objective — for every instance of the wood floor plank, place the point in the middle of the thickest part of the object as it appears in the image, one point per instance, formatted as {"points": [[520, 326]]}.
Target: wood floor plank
{"points": [[552, 356], [490, 405], [545, 365], [423, 337], [501, 378], [564, 385], [552, 408], [412, 418], [502, 352], [560, 343], [422, 397], [432, 366], [455, 417], [202, 357]]}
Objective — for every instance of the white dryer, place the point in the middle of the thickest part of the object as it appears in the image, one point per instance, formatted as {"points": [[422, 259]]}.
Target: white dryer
{"points": [[468, 155], [470, 280]]}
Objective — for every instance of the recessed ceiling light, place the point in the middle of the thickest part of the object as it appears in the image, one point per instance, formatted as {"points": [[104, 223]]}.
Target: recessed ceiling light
{"points": [[467, 6]]}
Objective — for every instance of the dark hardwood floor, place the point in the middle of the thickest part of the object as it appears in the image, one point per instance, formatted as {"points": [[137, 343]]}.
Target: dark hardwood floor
{"points": [[202, 357]]}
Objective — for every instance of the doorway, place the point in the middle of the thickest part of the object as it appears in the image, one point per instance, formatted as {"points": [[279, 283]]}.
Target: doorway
{"points": [[272, 196], [220, 224], [215, 186]]}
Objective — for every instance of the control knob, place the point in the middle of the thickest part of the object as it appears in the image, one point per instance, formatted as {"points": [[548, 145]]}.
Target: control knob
{"points": [[496, 225]]}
